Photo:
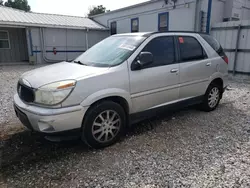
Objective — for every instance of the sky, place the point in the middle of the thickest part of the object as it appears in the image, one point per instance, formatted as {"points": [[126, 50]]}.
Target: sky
{"points": [[76, 7]]}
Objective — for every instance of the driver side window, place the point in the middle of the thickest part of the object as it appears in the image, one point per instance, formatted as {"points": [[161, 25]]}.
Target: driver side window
{"points": [[163, 51]]}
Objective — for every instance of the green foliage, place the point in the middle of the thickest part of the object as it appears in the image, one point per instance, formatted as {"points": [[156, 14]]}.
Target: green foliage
{"points": [[97, 10], [18, 4]]}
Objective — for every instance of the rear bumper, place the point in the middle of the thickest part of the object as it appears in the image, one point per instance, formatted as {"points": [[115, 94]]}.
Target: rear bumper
{"points": [[49, 121], [225, 81]]}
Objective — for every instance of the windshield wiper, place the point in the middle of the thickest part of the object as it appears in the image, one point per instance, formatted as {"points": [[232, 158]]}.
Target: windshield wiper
{"points": [[79, 62]]}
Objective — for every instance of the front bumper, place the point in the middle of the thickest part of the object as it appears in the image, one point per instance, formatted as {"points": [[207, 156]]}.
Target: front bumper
{"points": [[47, 120]]}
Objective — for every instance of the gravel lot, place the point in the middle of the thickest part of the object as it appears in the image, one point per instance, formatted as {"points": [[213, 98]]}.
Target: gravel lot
{"points": [[188, 148], [9, 76]]}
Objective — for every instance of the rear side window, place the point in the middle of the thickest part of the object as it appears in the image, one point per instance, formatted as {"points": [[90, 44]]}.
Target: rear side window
{"points": [[214, 44], [190, 49], [162, 49]]}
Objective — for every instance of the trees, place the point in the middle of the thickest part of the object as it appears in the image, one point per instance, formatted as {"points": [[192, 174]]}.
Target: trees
{"points": [[97, 10], [1, 2], [18, 4]]}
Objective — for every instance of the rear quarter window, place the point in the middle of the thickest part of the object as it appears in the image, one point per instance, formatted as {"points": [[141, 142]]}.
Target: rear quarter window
{"points": [[213, 43]]}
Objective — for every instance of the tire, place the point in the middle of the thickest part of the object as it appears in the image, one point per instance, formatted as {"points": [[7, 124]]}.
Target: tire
{"points": [[103, 125], [212, 98]]}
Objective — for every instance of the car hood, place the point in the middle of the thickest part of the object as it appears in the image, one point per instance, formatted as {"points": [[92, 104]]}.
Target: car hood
{"points": [[58, 72]]}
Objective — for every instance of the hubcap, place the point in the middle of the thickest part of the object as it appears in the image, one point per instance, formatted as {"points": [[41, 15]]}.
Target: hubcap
{"points": [[213, 97], [106, 126]]}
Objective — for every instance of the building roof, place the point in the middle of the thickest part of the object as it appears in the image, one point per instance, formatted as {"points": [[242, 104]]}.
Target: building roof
{"points": [[14, 17]]}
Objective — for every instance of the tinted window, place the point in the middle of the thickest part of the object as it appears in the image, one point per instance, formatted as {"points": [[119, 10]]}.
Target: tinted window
{"points": [[113, 28], [190, 49], [213, 43], [162, 49]]}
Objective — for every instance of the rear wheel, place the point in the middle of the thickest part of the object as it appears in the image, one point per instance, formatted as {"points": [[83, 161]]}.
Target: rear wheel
{"points": [[104, 124], [211, 98]]}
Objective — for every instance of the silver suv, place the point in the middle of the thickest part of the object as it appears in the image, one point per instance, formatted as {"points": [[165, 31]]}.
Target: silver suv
{"points": [[119, 80]]}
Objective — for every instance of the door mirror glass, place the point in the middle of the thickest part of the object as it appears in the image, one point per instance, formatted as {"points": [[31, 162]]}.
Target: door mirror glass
{"points": [[144, 59]]}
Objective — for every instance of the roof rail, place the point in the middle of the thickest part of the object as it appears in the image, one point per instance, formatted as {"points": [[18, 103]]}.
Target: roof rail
{"points": [[178, 32]]}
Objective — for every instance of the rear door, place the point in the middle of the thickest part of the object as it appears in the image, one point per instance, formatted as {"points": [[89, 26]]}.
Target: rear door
{"points": [[195, 66], [217, 54], [158, 83]]}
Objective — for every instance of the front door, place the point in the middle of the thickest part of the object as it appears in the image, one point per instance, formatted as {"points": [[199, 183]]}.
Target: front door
{"points": [[158, 83]]}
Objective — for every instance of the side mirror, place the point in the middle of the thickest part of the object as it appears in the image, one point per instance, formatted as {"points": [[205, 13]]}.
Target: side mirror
{"points": [[144, 59]]}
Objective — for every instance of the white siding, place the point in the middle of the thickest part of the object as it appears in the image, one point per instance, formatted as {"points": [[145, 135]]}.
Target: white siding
{"points": [[226, 34], [237, 9], [228, 8], [241, 8], [217, 13], [68, 42], [180, 18], [144, 20], [245, 14]]}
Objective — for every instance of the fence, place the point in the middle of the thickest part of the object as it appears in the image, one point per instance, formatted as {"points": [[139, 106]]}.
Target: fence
{"points": [[235, 39]]}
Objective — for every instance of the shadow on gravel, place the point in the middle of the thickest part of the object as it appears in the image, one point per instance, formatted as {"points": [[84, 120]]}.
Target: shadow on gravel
{"points": [[27, 148]]}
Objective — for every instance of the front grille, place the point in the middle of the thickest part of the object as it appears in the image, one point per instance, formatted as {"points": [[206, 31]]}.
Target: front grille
{"points": [[25, 93]]}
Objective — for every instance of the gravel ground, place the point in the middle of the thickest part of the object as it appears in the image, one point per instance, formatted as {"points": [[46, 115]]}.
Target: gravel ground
{"points": [[9, 76], [188, 148]]}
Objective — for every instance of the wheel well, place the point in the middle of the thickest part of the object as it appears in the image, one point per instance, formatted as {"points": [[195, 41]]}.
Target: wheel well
{"points": [[119, 100], [218, 82]]}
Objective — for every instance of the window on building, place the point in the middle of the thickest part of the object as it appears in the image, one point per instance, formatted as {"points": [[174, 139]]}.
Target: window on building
{"points": [[190, 49], [113, 28], [163, 21], [135, 25], [163, 51], [4, 40]]}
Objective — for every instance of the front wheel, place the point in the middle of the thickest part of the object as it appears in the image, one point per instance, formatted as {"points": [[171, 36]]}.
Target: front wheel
{"points": [[104, 124], [211, 98]]}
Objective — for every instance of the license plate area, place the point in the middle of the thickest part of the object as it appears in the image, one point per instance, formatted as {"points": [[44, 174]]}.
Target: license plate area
{"points": [[23, 118]]}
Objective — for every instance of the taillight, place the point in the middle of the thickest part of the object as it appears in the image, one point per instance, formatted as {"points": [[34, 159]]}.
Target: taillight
{"points": [[225, 58]]}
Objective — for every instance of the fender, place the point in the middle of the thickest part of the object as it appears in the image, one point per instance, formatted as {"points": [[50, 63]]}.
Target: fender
{"points": [[218, 75], [111, 92]]}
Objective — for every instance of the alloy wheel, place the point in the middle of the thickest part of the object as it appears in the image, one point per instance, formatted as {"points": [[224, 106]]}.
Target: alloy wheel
{"points": [[213, 97], [106, 126]]}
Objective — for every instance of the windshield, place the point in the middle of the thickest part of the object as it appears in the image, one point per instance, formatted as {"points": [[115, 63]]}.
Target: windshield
{"points": [[110, 52]]}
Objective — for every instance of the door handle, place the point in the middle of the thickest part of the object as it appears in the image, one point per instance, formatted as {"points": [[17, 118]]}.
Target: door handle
{"points": [[174, 70], [208, 64]]}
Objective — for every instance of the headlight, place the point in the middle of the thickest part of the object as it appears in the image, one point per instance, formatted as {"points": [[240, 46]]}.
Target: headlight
{"points": [[54, 93]]}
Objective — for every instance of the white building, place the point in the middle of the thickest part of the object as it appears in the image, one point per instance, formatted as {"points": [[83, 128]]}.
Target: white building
{"points": [[190, 15], [27, 36]]}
